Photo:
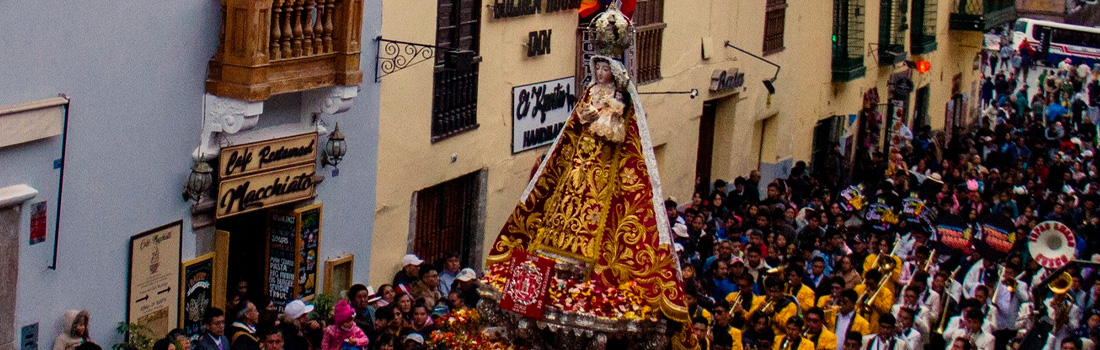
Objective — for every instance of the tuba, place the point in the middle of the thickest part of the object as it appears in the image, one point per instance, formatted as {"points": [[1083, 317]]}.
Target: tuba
{"points": [[1051, 244], [1061, 286]]}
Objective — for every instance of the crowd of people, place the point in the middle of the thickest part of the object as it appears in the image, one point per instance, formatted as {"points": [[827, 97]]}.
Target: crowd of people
{"points": [[796, 267], [400, 316]]}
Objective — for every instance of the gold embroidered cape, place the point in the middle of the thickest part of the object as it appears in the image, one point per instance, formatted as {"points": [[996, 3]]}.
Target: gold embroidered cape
{"points": [[598, 203]]}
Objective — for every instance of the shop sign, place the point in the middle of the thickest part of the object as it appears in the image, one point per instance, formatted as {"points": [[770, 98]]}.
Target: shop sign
{"points": [[539, 112], [253, 192], [267, 155], [538, 43], [519, 8], [198, 283], [155, 278], [723, 81]]}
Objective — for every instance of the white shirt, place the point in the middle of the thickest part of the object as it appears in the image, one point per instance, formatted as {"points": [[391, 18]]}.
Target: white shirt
{"points": [[974, 278], [982, 340], [921, 321], [841, 331], [874, 342], [913, 338], [1008, 304]]}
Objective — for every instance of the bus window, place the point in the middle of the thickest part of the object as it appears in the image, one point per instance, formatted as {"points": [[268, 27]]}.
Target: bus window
{"points": [[1021, 27]]}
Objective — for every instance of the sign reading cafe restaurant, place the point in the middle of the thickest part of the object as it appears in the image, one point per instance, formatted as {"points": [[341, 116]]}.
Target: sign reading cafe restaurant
{"points": [[263, 174], [539, 112]]}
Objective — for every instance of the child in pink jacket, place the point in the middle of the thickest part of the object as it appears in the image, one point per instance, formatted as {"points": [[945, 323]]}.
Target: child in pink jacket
{"points": [[344, 331]]}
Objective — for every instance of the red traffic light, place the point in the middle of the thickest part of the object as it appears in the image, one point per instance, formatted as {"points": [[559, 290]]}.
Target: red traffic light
{"points": [[924, 66]]}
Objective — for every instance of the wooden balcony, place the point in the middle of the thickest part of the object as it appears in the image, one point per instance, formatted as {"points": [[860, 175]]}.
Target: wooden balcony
{"points": [[269, 47], [981, 15]]}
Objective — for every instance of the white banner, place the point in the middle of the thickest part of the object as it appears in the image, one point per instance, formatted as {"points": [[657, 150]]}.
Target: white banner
{"points": [[539, 112]]}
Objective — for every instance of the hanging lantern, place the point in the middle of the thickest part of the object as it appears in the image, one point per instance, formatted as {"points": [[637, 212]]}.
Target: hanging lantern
{"points": [[335, 148], [199, 181]]}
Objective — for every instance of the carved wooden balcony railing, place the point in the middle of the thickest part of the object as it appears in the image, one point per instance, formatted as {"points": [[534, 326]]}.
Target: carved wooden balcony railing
{"points": [[269, 47]]}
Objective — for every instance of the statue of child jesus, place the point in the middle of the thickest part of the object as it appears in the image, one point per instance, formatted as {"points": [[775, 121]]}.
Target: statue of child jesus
{"points": [[603, 110]]}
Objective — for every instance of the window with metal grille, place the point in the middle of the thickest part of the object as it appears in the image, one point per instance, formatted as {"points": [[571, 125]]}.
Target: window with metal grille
{"points": [[649, 21], [848, 40], [446, 217], [454, 94], [774, 22], [892, 27], [922, 38]]}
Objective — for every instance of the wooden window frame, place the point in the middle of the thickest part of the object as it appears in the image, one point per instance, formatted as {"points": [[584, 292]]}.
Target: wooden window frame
{"points": [[775, 23], [455, 89], [649, 21]]}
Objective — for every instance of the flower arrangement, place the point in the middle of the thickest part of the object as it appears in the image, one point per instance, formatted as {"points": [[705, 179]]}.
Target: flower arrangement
{"points": [[587, 298], [462, 330], [593, 298]]}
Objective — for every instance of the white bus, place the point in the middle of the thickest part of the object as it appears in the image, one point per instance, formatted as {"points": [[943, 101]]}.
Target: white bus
{"points": [[1058, 41]]}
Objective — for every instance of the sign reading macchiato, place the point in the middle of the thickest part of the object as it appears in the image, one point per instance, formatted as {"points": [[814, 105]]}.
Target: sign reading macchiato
{"points": [[247, 193], [261, 156]]}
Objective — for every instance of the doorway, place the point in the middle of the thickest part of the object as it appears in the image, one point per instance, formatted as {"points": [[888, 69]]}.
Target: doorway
{"points": [[247, 253], [920, 109], [704, 157], [826, 133]]}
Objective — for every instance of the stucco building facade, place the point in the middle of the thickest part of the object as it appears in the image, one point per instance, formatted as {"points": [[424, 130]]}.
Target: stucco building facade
{"points": [[82, 175], [449, 169]]}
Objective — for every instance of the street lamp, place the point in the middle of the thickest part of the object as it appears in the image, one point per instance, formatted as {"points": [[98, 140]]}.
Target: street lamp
{"points": [[198, 182], [335, 148]]}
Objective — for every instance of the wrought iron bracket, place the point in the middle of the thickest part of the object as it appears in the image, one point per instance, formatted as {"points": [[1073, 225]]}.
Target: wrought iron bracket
{"points": [[394, 55]]}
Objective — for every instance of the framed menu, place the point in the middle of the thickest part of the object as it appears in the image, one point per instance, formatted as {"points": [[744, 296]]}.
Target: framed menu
{"points": [[198, 283], [293, 248], [282, 238], [153, 291], [309, 237]]}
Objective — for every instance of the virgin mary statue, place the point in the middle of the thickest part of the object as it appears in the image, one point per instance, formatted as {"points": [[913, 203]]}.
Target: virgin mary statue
{"points": [[595, 207]]}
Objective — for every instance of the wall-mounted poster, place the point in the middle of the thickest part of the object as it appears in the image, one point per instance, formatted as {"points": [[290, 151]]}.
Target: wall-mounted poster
{"points": [[282, 240], [198, 282], [338, 275], [309, 235], [155, 278]]}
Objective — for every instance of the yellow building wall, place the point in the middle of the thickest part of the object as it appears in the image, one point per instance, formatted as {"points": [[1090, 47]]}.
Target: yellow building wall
{"points": [[409, 162]]}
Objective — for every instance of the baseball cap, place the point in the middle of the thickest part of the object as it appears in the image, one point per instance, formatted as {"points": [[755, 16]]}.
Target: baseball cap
{"points": [[440, 310], [680, 230], [411, 259], [297, 308], [466, 275], [415, 337]]}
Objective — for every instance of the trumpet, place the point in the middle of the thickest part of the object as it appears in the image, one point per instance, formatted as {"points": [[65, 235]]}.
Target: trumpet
{"points": [[768, 307], [787, 343]]}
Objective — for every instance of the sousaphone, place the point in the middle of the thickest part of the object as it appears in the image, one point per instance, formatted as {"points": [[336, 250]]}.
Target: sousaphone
{"points": [[1052, 244]]}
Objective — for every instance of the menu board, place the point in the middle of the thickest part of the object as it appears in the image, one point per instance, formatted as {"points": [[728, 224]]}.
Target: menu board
{"points": [[282, 240], [198, 278], [154, 278], [309, 229]]}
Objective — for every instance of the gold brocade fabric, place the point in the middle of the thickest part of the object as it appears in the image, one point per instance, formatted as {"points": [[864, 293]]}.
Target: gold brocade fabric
{"points": [[592, 203]]}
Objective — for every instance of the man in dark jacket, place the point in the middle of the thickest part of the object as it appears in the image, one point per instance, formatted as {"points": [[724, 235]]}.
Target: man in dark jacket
{"points": [[214, 338], [242, 334]]}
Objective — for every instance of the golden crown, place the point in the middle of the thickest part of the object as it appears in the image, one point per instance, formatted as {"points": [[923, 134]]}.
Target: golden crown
{"points": [[612, 32]]}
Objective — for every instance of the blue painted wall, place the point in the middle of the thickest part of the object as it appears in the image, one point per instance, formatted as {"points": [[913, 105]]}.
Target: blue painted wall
{"points": [[135, 72]]}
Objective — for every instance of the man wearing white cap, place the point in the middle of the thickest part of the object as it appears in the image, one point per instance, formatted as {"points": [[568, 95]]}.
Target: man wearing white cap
{"points": [[410, 270], [296, 324]]}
